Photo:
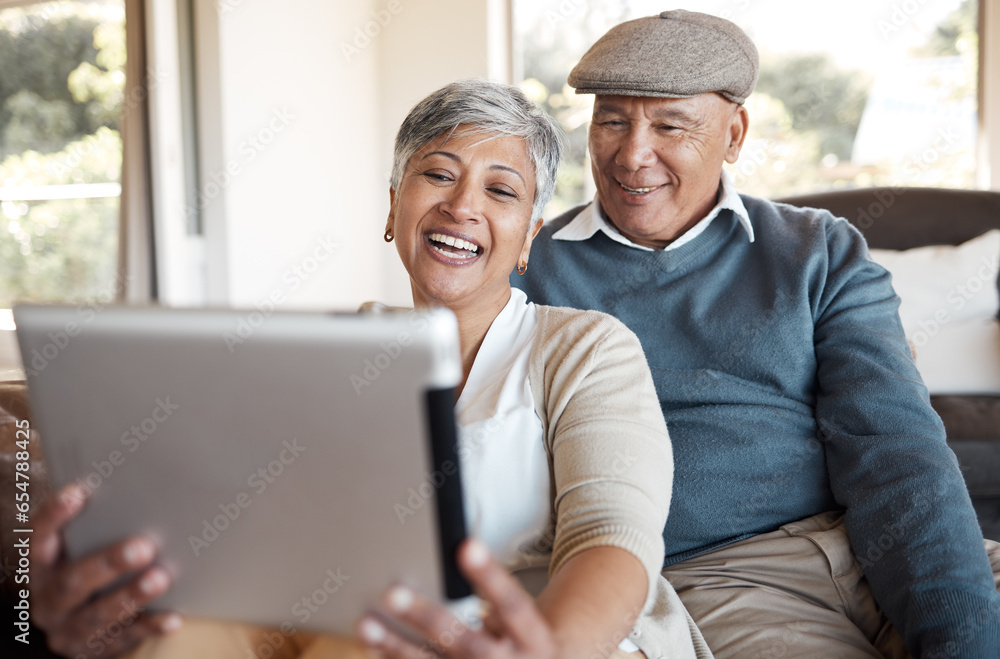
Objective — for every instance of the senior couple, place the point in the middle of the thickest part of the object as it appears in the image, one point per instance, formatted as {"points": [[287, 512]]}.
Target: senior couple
{"points": [[800, 431]]}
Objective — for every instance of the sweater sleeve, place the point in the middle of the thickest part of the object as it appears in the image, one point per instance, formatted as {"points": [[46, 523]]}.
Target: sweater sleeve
{"points": [[909, 517], [611, 459]]}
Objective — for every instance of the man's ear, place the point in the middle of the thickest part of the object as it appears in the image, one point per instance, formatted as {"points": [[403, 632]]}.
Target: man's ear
{"points": [[738, 125]]}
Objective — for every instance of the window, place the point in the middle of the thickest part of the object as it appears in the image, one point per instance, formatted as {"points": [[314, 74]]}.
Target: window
{"points": [[856, 94], [61, 96]]}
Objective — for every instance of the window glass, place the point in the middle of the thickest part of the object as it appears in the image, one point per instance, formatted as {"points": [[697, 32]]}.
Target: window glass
{"points": [[61, 88], [851, 94]]}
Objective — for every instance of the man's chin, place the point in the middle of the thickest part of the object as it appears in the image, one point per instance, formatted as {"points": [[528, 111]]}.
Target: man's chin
{"points": [[647, 229]]}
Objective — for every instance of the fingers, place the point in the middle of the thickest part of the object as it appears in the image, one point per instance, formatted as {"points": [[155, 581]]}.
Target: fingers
{"points": [[511, 608], [122, 633], [70, 585], [445, 633], [115, 621], [50, 519], [387, 643]]}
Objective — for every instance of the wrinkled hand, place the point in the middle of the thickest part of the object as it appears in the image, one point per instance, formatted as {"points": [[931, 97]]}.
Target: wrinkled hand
{"points": [[514, 627], [64, 602]]}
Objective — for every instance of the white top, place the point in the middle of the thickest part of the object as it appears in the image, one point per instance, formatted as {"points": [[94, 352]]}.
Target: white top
{"points": [[505, 470], [504, 466], [592, 219]]}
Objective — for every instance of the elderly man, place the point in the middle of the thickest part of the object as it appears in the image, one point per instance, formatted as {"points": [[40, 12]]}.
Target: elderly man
{"points": [[817, 510]]}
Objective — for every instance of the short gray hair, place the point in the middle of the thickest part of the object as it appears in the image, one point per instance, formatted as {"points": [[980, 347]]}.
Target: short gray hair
{"points": [[492, 108]]}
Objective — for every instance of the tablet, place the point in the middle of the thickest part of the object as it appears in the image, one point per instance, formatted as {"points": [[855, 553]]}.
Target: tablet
{"points": [[290, 466]]}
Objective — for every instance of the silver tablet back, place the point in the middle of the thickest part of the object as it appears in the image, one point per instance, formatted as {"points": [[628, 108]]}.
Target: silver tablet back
{"points": [[285, 463]]}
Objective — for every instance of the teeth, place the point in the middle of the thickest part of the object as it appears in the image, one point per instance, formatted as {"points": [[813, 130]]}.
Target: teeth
{"points": [[637, 190], [454, 242]]}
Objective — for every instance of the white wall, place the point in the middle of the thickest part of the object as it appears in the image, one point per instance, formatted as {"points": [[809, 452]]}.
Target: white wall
{"points": [[297, 126], [287, 154], [429, 44]]}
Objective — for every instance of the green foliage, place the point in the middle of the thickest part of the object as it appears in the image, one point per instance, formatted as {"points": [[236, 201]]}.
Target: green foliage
{"points": [[958, 33], [101, 87], [823, 100], [60, 99], [60, 249], [38, 51]]}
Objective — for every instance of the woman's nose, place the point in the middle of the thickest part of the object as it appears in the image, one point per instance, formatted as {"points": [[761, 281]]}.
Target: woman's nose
{"points": [[463, 202], [636, 151]]}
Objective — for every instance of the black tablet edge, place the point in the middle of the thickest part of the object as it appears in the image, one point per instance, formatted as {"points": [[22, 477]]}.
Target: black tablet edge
{"points": [[450, 507]]}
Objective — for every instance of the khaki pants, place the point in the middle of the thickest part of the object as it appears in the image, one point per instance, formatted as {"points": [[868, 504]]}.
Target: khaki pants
{"points": [[794, 592]]}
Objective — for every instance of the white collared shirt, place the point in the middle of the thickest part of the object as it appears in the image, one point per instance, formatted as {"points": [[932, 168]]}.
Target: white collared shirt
{"points": [[592, 219]]}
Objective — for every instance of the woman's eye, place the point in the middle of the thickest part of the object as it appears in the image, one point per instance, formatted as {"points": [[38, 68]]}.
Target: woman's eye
{"points": [[437, 176], [503, 192]]}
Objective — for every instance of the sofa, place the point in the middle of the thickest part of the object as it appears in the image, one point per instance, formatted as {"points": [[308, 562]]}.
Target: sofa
{"points": [[890, 218]]}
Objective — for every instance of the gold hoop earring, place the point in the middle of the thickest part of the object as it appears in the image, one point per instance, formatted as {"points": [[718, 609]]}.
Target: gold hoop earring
{"points": [[522, 268], [388, 236]]}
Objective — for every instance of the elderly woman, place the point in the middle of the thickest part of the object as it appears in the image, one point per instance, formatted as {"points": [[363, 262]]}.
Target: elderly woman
{"points": [[565, 454]]}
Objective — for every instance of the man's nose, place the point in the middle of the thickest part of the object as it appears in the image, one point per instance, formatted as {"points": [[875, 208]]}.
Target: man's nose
{"points": [[636, 150]]}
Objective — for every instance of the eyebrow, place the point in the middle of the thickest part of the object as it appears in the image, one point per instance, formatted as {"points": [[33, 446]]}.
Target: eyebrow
{"points": [[665, 113], [452, 156]]}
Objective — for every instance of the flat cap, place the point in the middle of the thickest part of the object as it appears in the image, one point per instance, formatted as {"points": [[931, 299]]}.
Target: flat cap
{"points": [[674, 55]]}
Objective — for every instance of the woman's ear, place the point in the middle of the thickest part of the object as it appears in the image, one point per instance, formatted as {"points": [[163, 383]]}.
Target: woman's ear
{"points": [[535, 228], [390, 221]]}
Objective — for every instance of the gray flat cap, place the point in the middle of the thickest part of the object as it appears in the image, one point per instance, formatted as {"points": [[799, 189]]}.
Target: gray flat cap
{"points": [[674, 55]]}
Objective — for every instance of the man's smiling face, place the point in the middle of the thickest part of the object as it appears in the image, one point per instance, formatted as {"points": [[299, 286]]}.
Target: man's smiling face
{"points": [[657, 161]]}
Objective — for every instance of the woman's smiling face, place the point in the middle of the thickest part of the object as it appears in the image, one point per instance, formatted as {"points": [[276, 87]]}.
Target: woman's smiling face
{"points": [[460, 217]]}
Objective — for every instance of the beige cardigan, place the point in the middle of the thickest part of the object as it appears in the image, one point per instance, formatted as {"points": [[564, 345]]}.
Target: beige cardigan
{"points": [[612, 466]]}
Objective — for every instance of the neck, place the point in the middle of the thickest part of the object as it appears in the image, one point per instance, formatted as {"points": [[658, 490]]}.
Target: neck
{"points": [[474, 321]]}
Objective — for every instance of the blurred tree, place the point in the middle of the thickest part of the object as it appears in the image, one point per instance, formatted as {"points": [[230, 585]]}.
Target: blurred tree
{"points": [[821, 98], [956, 34], [39, 48], [60, 101]]}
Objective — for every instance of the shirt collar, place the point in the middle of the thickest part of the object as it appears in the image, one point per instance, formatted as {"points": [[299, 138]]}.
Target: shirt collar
{"points": [[592, 219]]}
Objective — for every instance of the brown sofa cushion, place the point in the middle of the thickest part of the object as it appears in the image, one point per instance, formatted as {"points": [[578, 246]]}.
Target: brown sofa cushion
{"points": [[969, 417]]}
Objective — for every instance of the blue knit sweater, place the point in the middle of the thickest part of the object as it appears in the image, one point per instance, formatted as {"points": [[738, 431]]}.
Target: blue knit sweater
{"points": [[789, 390]]}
